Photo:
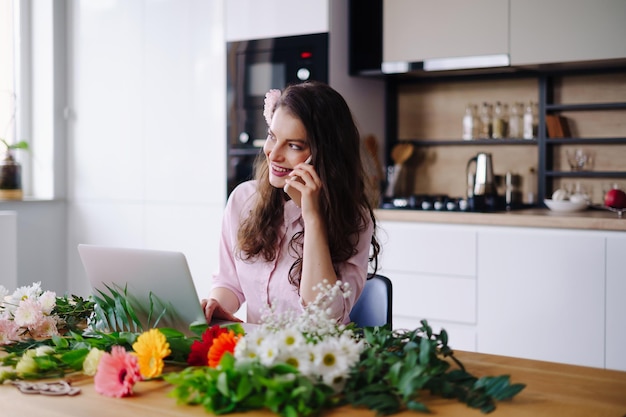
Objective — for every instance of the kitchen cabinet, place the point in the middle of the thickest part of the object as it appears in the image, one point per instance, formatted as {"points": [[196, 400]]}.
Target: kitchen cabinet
{"points": [[537, 293], [541, 294], [615, 305], [253, 19], [566, 30], [432, 268], [419, 30]]}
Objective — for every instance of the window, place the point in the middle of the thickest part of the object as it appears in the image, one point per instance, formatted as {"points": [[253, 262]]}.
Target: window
{"points": [[31, 56], [7, 79]]}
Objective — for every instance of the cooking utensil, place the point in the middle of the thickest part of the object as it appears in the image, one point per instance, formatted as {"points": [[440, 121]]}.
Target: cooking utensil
{"points": [[400, 153], [371, 144]]}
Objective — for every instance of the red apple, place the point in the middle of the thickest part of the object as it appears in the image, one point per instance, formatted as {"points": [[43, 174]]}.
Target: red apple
{"points": [[615, 198]]}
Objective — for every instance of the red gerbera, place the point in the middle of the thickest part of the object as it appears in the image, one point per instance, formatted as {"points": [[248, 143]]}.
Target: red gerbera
{"points": [[199, 355]]}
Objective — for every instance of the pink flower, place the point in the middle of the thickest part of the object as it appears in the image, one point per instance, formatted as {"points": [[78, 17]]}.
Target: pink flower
{"points": [[271, 98], [117, 373], [9, 332], [28, 313], [45, 328]]}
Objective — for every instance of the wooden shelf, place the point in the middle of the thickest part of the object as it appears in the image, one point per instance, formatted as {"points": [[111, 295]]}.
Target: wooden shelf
{"points": [[585, 141], [585, 106], [587, 174], [472, 142]]}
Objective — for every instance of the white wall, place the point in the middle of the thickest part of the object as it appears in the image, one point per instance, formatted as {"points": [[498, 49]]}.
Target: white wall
{"points": [[8, 249], [146, 147], [144, 143]]}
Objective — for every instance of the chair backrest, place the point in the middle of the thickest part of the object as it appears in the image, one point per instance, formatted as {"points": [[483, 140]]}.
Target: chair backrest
{"points": [[373, 308]]}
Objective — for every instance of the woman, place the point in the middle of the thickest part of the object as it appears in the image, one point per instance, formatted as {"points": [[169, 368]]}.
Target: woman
{"points": [[274, 250]]}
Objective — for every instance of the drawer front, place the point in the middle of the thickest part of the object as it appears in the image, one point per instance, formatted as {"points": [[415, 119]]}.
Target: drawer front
{"points": [[428, 249], [431, 297]]}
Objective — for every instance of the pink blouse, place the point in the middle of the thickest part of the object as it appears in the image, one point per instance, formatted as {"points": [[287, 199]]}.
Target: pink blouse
{"points": [[261, 283]]}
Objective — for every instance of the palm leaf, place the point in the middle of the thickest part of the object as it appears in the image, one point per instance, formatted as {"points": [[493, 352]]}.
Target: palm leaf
{"points": [[115, 312]]}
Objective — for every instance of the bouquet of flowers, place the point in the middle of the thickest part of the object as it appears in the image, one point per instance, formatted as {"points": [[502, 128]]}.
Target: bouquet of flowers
{"points": [[32, 313], [291, 364]]}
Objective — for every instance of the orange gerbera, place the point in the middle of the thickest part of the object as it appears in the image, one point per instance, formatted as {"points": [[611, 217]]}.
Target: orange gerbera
{"points": [[225, 342]]}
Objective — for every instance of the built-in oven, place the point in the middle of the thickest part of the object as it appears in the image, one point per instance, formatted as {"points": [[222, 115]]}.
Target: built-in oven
{"points": [[253, 68]]}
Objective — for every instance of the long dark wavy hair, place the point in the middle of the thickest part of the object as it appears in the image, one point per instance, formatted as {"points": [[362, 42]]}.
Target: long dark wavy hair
{"points": [[335, 146]]}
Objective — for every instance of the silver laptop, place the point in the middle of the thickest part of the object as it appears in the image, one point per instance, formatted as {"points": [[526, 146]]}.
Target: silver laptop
{"points": [[156, 278]]}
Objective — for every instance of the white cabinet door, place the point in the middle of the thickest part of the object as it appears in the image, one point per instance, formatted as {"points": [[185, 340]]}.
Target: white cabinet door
{"points": [[417, 30], [550, 31], [615, 303], [253, 19], [541, 294]]}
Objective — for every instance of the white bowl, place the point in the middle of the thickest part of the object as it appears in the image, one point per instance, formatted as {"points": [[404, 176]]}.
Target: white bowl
{"points": [[566, 205]]}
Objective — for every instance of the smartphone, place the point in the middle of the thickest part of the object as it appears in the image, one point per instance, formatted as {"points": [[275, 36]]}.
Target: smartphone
{"points": [[295, 195]]}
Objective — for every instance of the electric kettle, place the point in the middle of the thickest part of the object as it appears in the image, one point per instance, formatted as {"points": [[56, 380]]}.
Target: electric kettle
{"points": [[482, 191], [484, 181]]}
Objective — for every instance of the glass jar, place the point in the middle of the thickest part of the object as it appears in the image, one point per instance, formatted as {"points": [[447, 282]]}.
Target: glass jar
{"points": [[486, 126], [471, 124], [530, 121], [500, 121], [516, 121]]}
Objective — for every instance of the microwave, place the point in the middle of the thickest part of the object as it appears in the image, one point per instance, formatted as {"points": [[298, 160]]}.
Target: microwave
{"points": [[253, 68]]}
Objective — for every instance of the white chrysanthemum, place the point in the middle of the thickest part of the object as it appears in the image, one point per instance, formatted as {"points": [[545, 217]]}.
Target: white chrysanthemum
{"points": [[246, 349], [3, 293], [269, 350], [290, 338], [25, 293], [28, 313], [299, 359], [329, 360], [48, 301], [350, 347], [297, 355]]}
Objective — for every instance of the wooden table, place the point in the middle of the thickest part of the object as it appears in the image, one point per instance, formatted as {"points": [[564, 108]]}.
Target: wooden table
{"points": [[552, 390]]}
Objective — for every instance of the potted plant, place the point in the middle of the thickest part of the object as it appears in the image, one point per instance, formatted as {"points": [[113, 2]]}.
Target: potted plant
{"points": [[11, 171]]}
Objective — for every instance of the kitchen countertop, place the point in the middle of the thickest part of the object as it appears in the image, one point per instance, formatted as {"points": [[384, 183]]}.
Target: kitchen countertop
{"points": [[592, 219]]}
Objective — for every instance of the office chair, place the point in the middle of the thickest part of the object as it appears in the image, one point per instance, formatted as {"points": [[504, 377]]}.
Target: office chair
{"points": [[373, 308]]}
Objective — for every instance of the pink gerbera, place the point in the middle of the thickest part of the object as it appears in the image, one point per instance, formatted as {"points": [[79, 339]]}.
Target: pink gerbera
{"points": [[117, 373]]}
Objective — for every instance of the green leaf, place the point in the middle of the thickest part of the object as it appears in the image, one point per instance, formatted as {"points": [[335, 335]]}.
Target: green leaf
{"points": [[75, 358], [425, 350], [222, 384]]}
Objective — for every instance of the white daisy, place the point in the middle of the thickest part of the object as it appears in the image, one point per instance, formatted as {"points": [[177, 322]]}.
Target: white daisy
{"points": [[269, 350]]}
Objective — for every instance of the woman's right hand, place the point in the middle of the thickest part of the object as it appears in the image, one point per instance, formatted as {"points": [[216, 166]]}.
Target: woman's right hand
{"points": [[213, 310]]}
